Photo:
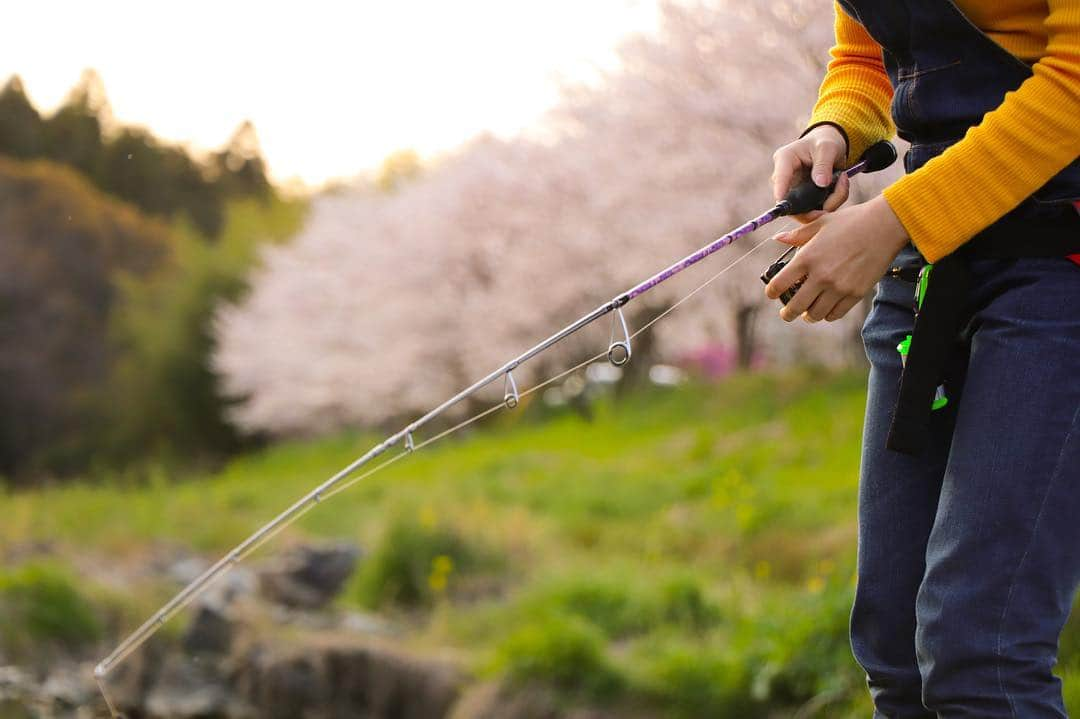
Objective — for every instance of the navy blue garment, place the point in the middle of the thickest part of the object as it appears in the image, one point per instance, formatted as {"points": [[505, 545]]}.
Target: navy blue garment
{"points": [[969, 553], [946, 74]]}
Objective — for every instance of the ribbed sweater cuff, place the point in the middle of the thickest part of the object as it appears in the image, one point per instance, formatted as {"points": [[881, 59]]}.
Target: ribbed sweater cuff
{"points": [[860, 128]]}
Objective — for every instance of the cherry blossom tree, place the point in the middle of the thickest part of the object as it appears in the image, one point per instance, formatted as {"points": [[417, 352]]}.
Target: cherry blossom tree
{"points": [[387, 303]]}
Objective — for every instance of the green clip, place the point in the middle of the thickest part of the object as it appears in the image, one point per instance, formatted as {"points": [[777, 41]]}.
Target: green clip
{"points": [[904, 347], [940, 400], [920, 287]]}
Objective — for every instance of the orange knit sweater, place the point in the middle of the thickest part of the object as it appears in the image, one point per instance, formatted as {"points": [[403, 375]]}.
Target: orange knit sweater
{"points": [[1016, 148]]}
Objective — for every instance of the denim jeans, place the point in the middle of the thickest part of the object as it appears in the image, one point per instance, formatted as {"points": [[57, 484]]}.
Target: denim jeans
{"points": [[969, 555]]}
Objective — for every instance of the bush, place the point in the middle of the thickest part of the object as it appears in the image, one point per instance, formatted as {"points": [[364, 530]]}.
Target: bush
{"points": [[682, 601], [807, 652], [415, 563], [787, 652], [41, 603], [693, 682], [622, 607], [564, 652], [611, 606]]}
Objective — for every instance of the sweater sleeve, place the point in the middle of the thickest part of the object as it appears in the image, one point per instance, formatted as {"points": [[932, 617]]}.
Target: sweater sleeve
{"points": [[856, 93], [1015, 150]]}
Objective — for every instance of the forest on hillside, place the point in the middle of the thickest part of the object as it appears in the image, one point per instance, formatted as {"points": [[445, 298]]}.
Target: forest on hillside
{"points": [[115, 247]]}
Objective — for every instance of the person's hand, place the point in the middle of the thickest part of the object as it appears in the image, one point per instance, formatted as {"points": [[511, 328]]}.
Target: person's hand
{"points": [[843, 255], [819, 153]]}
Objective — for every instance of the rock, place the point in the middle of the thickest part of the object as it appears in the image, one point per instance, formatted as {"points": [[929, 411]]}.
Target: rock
{"points": [[335, 678], [364, 623], [129, 682], [493, 700], [211, 631], [14, 682], [16, 694], [373, 681], [213, 627], [286, 687], [234, 585], [308, 577], [67, 690], [187, 688]]}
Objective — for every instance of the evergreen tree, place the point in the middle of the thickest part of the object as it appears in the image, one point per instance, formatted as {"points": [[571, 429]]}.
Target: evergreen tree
{"points": [[160, 179], [20, 123], [73, 136], [240, 166]]}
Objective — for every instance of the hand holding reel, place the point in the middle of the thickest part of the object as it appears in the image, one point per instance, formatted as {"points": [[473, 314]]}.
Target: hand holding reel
{"points": [[808, 197]]}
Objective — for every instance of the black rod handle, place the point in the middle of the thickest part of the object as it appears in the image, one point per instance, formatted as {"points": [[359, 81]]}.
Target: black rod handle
{"points": [[808, 197]]}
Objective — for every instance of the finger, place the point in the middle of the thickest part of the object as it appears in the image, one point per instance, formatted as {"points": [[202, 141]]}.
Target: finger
{"points": [[798, 236], [839, 195], [826, 157], [788, 163], [842, 308], [785, 278], [822, 306], [808, 217], [802, 300]]}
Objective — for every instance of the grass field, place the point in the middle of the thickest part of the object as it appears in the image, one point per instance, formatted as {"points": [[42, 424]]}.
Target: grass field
{"points": [[689, 550]]}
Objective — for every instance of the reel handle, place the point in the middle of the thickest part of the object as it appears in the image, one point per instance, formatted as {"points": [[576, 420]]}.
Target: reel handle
{"points": [[774, 270]]}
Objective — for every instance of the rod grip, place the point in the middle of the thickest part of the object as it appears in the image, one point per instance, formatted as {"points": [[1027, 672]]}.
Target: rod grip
{"points": [[808, 197]]}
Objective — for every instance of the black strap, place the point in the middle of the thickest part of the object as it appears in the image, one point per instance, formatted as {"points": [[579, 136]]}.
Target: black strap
{"points": [[1029, 231], [936, 325]]}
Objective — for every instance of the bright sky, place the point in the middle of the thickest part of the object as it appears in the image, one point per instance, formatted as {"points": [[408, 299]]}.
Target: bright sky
{"points": [[333, 87]]}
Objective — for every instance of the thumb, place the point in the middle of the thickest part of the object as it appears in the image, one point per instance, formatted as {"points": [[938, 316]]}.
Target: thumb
{"points": [[825, 161]]}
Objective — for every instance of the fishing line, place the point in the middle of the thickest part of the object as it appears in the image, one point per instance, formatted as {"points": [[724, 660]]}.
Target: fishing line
{"points": [[803, 198], [220, 569], [537, 387]]}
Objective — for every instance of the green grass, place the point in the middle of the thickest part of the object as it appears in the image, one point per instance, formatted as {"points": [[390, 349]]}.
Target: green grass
{"points": [[565, 652], [418, 562], [42, 608], [689, 550]]}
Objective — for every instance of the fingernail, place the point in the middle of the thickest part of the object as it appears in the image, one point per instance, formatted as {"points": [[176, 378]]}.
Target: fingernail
{"points": [[781, 236], [821, 179]]}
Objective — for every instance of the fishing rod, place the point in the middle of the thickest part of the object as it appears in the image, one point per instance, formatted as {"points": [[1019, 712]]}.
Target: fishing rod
{"points": [[805, 197]]}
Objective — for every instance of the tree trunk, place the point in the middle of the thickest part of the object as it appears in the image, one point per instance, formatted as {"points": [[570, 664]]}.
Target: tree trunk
{"points": [[746, 333]]}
